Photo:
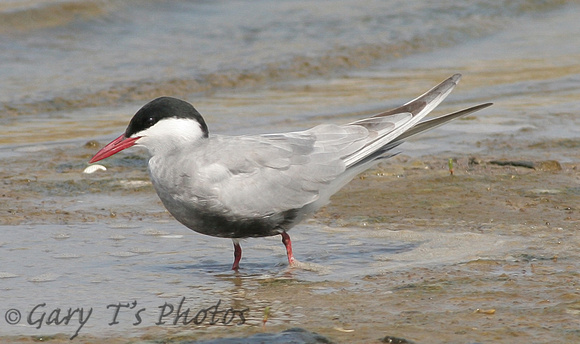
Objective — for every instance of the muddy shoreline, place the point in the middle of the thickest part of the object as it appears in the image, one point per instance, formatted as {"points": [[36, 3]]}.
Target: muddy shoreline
{"points": [[486, 255], [528, 293]]}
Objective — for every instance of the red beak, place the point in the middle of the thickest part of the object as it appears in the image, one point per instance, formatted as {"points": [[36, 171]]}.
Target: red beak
{"points": [[114, 147]]}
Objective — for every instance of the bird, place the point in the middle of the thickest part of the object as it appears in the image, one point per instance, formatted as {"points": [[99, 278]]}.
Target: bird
{"points": [[262, 185]]}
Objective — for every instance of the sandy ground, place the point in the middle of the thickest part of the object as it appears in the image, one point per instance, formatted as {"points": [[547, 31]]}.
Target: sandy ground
{"points": [[529, 292]]}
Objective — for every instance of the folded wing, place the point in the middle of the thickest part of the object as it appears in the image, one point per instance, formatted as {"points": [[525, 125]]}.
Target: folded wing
{"points": [[266, 174]]}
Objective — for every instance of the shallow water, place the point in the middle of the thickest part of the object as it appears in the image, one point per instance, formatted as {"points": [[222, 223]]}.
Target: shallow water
{"points": [[95, 265], [77, 71]]}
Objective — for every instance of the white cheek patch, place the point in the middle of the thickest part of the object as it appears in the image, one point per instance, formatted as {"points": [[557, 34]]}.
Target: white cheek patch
{"points": [[188, 129], [169, 133]]}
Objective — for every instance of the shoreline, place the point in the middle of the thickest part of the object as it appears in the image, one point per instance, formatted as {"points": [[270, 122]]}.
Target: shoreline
{"points": [[477, 299]]}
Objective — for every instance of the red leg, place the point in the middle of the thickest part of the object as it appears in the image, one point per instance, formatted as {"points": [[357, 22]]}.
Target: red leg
{"points": [[288, 243], [237, 255]]}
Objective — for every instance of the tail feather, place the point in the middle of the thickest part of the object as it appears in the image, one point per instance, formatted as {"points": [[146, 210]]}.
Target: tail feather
{"points": [[439, 121], [385, 151]]}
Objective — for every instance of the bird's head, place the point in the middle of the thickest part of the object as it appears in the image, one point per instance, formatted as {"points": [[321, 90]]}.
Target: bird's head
{"points": [[160, 126]]}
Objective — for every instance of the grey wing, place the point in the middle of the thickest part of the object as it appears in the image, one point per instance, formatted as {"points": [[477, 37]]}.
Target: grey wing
{"points": [[266, 174], [403, 118], [261, 175]]}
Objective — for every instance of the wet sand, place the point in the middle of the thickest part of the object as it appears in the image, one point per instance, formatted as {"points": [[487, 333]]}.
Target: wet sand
{"points": [[524, 289], [488, 254]]}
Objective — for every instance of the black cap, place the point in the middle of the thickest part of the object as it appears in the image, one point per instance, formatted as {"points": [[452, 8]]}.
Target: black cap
{"points": [[160, 108]]}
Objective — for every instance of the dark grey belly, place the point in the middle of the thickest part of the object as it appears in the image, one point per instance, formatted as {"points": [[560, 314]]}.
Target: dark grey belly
{"points": [[219, 225], [225, 227]]}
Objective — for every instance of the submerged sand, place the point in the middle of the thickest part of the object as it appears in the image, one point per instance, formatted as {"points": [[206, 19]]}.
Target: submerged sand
{"points": [[523, 287]]}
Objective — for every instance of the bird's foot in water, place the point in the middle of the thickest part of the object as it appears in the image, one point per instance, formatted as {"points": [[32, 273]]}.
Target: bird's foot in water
{"points": [[237, 255], [288, 243]]}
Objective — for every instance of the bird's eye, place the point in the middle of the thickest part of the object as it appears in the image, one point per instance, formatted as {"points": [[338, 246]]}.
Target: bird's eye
{"points": [[150, 121]]}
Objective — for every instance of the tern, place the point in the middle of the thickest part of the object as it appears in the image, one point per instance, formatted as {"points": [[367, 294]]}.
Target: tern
{"points": [[263, 185]]}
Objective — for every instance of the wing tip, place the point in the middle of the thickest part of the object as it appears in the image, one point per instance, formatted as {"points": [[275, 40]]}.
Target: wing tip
{"points": [[455, 77], [482, 106]]}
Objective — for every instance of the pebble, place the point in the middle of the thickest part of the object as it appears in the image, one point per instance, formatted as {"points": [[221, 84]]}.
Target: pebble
{"points": [[293, 335]]}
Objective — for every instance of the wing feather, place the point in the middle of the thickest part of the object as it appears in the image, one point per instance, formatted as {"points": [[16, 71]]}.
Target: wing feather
{"points": [[259, 175]]}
